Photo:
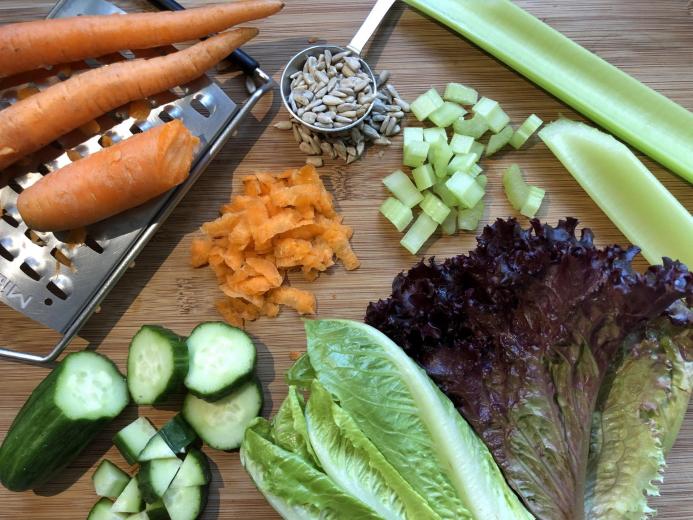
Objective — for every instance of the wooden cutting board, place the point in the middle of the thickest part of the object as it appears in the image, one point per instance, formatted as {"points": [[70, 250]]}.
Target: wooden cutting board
{"points": [[653, 40]]}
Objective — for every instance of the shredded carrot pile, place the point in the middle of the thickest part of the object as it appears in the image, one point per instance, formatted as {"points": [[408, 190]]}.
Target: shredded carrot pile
{"points": [[280, 222]]}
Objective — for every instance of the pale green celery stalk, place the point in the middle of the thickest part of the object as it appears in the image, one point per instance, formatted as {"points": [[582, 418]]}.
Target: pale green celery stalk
{"points": [[397, 213], [645, 212], [449, 225], [468, 219], [420, 231], [434, 207], [634, 112], [289, 429]]}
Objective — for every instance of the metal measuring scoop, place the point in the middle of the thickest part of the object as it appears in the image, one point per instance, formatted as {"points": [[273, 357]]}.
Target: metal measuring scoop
{"points": [[372, 22]]}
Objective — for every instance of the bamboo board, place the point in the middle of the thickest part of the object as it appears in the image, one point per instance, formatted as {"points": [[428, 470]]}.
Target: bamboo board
{"points": [[651, 40]]}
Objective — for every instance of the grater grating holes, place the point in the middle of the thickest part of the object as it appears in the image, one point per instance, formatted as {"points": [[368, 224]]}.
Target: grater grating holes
{"points": [[6, 249], [29, 270], [9, 219], [34, 237], [15, 186], [61, 257], [199, 105], [93, 245], [44, 169], [56, 291]]}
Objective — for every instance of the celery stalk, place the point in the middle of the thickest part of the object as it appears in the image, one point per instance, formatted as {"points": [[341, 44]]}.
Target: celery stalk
{"points": [[426, 104], [445, 194], [461, 143], [522, 134], [467, 190], [482, 181], [434, 207], [492, 113], [449, 225], [420, 231], [468, 219], [478, 149], [415, 153], [474, 127], [632, 111], [535, 196], [458, 93], [397, 213], [475, 170], [499, 140], [424, 177], [463, 162], [440, 155], [412, 134], [447, 114], [645, 212], [431, 135], [401, 187]]}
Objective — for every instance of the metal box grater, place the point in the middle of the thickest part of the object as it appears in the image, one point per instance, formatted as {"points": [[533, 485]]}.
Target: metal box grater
{"points": [[59, 284]]}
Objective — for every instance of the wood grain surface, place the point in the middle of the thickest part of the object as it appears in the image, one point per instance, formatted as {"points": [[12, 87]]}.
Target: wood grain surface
{"points": [[653, 40]]}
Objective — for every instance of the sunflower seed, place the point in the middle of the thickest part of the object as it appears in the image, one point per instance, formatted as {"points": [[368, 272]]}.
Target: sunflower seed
{"points": [[332, 84], [319, 108], [361, 84], [315, 161], [306, 148], [309, 117], [324, 118], [392, 90], [344, 107], [328, 57], [309, 78], [356, 135], [378, 118], [297, 135], [295, 74], [284, 125], [326, 147], [353, 63], [340, 56], [383, 77], [302, 99], [382, 141], [385, 124], [323, 125], [331, 100], [300, 112], [339, 66], [347, 71], [321, 76], [360, 147], [351, 114], [389, 131], [398, 115], [338, 93], [371, 132], [341, 119], [361, 111], [320, 93]]}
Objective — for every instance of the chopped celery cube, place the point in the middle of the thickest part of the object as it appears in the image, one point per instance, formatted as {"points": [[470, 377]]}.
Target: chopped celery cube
{"points": [[426, 104], [422, 229], [440, 155], [415, 153], [431, 135], [475, 170], [434, 207], [478, 148], [474, 127], [412, 134], [522, 134], [465, 188], [515, 186], [535, 196], [468, 219], [491, 111], [397, 213], [462, 162], [482, 181], [447, 114], [449, 225], [401, 187], [499, 140], [458, 93], [445, 194], [424, 177], [461, 143]]}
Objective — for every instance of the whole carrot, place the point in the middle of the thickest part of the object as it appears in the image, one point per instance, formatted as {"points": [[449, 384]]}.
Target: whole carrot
{"points": [[110, 181], [32, 123], [30, 45]]}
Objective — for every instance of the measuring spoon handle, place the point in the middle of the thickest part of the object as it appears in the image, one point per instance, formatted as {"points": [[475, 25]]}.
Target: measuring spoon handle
{"points": [[372, 22]]}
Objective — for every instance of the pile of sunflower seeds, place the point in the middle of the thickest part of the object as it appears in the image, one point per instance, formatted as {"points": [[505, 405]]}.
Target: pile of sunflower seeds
{"points": [[383, 122]]}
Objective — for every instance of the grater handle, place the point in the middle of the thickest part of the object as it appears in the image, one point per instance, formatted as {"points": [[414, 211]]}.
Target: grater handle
{"points": [[238, 57]]}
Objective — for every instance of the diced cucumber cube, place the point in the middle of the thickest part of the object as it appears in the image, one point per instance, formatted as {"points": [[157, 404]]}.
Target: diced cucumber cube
{"points": [[432, 135], [482, 181], [474, 127], [420, 231], [426, 104], [499, 140], [434, 207], [522, 134], [424, 177], [475, 170], [440, 154], [491, 111], [462, 162], [478, 149], [465, 188], [403, 188], [130, 500], [447, 114], [109, 480], [445, 194], [461, 143], [468, 219], [535, 196], [415, 153], [412, 134], [458, 93], [397, 213], [132, 439], [449, 225]]}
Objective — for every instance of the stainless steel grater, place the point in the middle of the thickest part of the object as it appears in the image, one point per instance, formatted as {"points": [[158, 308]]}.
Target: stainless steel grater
{"points": [[59, 284]]}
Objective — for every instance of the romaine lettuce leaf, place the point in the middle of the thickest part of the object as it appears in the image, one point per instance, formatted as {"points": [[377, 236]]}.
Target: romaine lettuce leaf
{"points": [[289, 429], [356, 465], [413, 425], [301, 373]]}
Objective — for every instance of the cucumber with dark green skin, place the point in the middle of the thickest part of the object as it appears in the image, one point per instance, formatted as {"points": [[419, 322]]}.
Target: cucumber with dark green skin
{"points": [[67, 409], [178, 434]]}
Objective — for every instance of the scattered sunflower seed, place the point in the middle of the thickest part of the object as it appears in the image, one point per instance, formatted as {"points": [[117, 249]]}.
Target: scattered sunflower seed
{"points": [[315, 161]]}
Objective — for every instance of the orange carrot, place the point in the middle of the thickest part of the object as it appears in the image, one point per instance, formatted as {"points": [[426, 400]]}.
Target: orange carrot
{"points": [[32, 123], [110, 181], [30, 45]]}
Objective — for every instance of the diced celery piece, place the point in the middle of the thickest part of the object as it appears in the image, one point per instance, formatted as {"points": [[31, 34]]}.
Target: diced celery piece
{"points": [[424, 177], [447, 114], [461, 143], [412, 133], [401, 187], [475, 170], [434, 207], [462, 162], [478, 148], [449, 225], [482, 181], [440, 155], [445, 194], [492, 113], [465, 188], [431, 135], [458, 93], [397, 213], [515, 186], [534, 198], [426, 104], [474, 127], [468, 219], [525, 131], [415, 154], [498, 141], [420, 231]]}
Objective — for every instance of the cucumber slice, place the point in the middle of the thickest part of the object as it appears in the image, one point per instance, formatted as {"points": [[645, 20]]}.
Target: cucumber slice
{"points": [[130, 500], [397, 213], [194, 471], [178, 434], [157, 364], [102, 510], [447, 114], [109, 480], [156, 448], [157, 511], [426, 104], [132, 439], [458, 93], [222, 358], [142, 515], [185, 503], [155, 477], [75, 401], [418, 233], [221, 424]]}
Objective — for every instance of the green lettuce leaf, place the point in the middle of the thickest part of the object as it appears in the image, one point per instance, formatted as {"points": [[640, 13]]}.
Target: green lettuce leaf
{"points": [[294, 488], [289, 427], [415, 427], [356, 465], [301, 373]]}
